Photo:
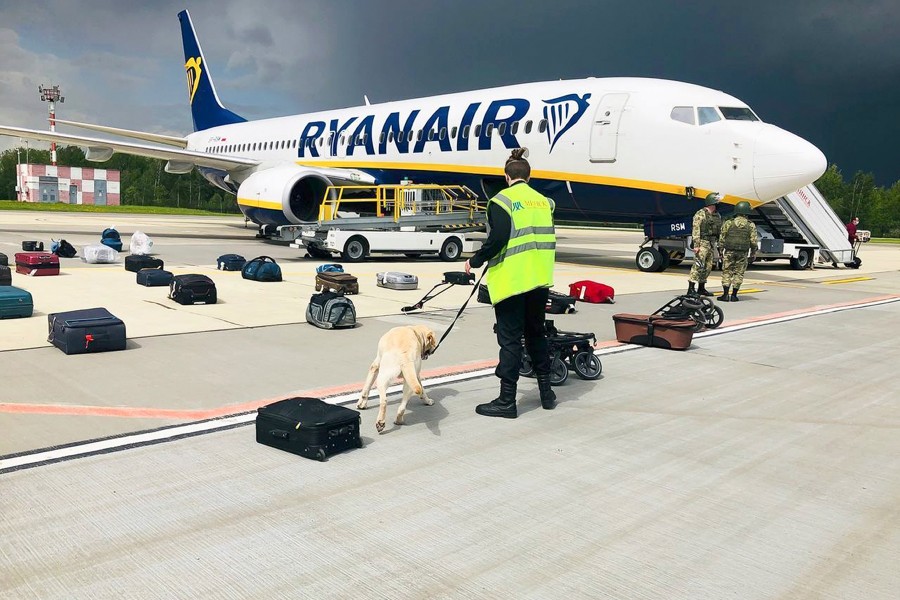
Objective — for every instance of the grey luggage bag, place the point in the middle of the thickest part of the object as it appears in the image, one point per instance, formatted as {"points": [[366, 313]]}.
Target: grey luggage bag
{"points": [[395, 280]]}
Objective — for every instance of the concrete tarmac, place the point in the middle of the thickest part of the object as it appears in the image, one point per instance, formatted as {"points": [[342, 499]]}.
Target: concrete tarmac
{"points": [[764, 462]]}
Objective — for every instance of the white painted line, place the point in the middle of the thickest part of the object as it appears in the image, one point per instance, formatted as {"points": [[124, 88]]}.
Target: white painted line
{"points": [[41, 457]]}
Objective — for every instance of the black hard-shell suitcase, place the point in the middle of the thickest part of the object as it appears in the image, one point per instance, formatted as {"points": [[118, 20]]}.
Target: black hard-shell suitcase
{"points": [[4, 260], [32, 246], [308, 427], [5, 275], [192, 289], [154, 277], [87, 330], [15, 302], [136, 262]]}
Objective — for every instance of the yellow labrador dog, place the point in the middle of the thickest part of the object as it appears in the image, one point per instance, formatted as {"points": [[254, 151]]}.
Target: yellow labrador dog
{"points": [[400, 353]]}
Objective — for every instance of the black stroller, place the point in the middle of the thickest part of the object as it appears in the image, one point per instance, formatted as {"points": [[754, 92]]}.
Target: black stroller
{"points": [[699, 309], [568, 349]]}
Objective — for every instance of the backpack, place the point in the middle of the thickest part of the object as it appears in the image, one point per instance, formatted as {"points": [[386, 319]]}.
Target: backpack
{"points": [[330, 268], [110, 237], [261, 268], [63, 249], [330, 310], [593, 292]]}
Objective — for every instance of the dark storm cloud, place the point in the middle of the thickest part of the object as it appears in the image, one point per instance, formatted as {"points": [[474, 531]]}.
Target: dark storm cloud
{"points": [[828, 71]]}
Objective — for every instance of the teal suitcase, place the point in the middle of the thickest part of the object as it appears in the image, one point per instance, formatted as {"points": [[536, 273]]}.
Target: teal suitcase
{"points": [[15, 302]]}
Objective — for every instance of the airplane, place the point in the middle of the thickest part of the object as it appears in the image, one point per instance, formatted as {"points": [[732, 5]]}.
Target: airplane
{"points": [[618, 149]]}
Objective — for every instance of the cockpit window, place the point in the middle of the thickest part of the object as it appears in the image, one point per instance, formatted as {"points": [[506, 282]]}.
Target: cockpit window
{"points": [[707, 114], [685, 114], [738, 114]]}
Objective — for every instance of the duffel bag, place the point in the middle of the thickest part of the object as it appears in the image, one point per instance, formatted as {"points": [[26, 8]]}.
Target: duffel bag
{"points": [[593, 292], [330, 310], [261, 268], [230, 262]]}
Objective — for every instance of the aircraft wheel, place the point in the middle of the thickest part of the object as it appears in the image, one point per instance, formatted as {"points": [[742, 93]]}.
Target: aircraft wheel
{"points": [[355, 249], [666, 260], [451, 250], [587, 365], [649, 259]]}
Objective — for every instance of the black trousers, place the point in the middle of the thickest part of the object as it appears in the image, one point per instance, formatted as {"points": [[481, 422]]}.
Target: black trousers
{"points": [[518, 316]]}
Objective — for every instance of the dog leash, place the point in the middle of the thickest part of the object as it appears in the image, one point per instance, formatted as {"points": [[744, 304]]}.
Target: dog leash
{"points": [[459, 313]]}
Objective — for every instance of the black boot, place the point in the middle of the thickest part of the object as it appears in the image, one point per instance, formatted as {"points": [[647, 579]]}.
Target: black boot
{"points": [[692, 290], [703, 291], [502, 406], [548, 396], [724, 296], [734, 290]]}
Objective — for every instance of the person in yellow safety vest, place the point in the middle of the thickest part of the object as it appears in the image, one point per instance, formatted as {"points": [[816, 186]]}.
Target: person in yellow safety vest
{"points": [[520, 252]]}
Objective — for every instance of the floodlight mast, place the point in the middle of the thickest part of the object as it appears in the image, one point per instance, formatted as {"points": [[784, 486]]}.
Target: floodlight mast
{"points": [[52, 95]]}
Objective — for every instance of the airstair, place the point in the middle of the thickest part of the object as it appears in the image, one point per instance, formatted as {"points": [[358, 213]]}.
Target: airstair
{"points": [[803, 219]]}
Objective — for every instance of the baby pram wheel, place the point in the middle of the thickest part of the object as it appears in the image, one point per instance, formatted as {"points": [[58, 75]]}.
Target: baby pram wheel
{"points": [[559, 372], [587, 365], [526, 369], [714, 317]]}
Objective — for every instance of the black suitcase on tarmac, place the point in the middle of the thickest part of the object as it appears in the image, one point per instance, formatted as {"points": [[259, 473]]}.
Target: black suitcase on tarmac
{"points": [[192, 289], [136, 262], [84, 331], [308, 427], [4, 260], [5, 275], [230, 262], [154, 277]]}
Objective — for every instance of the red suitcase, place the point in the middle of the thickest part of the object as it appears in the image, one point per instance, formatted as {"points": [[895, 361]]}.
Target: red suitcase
{"points": [[654, 330], [37, 263]]}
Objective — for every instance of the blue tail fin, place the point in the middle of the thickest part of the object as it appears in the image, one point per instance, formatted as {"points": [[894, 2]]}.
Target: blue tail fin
{"points": [[206, 109]]}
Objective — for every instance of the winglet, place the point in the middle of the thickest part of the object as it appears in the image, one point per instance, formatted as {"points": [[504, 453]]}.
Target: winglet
{"points": [[206, 109]]}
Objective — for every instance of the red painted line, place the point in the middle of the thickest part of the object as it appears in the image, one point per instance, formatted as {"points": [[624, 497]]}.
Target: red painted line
{"points": [[200, 414]]}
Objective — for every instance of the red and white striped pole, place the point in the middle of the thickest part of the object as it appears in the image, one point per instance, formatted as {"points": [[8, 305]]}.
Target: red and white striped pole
{"points": [[51, 95]]}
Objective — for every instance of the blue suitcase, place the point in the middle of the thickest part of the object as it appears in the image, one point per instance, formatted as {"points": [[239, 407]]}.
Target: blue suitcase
{"points": [[154, 277], [15, 302], [85, 331]]}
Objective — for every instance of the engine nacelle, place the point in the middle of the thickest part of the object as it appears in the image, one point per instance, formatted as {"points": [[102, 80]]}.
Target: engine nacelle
{"points": [[295, 191]]}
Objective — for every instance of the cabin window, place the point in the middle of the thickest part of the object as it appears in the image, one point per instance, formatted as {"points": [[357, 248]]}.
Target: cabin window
{"points": [[410, 135], [489, 130], [419, 136], [294, 144], [443, 133], [528, 126], [431, 135], [342, 140], [477, 131], [707, 114], [542, 126], [331, 138], [453, 132], [684, 114], [501, 129], [514, 128], [381, 138], [321, 139], [254, 147], [465, 131], [738, 114]]}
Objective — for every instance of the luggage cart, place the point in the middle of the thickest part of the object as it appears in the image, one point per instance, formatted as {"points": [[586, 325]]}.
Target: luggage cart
{"points": [[568, 350], [699, 309], [862, 236]]}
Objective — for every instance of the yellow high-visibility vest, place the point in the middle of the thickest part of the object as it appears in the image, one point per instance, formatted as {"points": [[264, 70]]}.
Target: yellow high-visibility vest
{"points": [[526, 262]]}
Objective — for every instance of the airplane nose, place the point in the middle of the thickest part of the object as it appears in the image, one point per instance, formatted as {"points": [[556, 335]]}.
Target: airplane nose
{"points": [[784, 163]]}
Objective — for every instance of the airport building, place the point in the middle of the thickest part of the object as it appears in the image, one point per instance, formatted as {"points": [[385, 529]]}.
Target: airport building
{"points": [[72, 185]]}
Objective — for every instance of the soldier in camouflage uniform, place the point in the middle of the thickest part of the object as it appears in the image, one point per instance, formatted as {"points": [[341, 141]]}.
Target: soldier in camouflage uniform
{"points": [[738, 237], [705, 234]]}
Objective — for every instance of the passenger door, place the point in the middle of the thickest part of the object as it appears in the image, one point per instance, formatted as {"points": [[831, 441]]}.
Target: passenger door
{"points": [[605, 127]]}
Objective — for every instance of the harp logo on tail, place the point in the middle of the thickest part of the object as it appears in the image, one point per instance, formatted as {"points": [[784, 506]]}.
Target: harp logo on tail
{"points": [[562, 113], [193, 70]]}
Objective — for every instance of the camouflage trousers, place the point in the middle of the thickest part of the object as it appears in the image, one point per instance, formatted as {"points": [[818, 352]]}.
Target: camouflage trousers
{"points": [[733, 267], [703, 263]]}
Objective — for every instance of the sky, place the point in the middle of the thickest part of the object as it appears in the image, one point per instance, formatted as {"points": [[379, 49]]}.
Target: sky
{"points": [[826, 70]]}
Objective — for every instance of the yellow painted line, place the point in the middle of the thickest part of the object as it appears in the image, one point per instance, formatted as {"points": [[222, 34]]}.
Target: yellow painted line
{"points": [[848, 280], [751, 291]]}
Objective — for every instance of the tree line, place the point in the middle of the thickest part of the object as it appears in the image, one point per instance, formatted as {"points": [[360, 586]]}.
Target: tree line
{"points": [[144, 182]]}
